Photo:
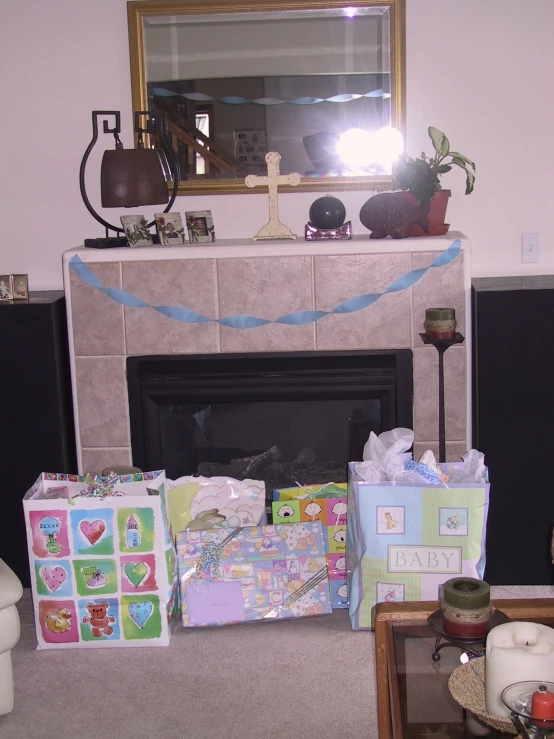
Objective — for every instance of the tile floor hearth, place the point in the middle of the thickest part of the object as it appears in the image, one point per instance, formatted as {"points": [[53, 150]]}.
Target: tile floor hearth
{"points": [[237, 278]]}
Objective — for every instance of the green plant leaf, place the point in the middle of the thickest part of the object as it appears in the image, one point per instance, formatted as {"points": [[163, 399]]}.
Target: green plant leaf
{"points": [[470, 177], [455, 154], [470, 181], [440, 142], [443, 168]]}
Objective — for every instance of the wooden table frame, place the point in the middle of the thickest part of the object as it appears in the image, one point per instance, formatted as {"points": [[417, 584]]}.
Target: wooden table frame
{"points": [[386, 614]]}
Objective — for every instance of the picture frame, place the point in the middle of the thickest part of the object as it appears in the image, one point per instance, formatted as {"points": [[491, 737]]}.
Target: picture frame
{"points": [[200, 226], [170, 229], [20, 287], [6, 287], [250, 145], [14, 287], [136, 230]]}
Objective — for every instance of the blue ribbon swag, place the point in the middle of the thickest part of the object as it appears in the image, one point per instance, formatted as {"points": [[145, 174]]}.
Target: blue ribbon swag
{"points": [[298, 318]]}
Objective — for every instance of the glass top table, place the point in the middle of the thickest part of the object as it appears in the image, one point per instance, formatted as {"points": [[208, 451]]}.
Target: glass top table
{"points": [[413, 698]]}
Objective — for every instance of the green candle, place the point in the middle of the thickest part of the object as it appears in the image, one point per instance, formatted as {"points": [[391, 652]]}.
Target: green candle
{"points": [[440, 323]]}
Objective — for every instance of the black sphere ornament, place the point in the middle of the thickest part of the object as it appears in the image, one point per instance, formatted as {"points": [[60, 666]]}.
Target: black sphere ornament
{"points": [[327, 212]]}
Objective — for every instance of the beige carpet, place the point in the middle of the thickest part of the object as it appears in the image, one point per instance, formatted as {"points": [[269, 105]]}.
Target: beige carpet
{"points": [[309, 678]]}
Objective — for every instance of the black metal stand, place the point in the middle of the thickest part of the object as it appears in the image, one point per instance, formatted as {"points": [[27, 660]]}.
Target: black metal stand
{"points": [[441, 345], [466, 644]]}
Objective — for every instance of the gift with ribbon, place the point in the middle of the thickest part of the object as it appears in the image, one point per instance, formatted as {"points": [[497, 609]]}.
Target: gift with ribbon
{"points": [[252, 574], [325, 503]]}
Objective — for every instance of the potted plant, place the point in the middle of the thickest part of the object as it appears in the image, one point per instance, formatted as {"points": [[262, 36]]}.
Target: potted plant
{"points": [[419, 179]]}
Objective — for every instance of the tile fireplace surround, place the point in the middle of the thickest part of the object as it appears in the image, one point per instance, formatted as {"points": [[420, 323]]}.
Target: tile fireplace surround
{"points": [[266, 280]]}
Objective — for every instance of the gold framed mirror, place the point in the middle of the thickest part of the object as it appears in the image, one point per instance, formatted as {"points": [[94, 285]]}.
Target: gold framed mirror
{"points": [[319, 81]]}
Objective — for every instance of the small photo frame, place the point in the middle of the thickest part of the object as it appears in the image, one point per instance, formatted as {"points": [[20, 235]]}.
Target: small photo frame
{"points": [[6, 287], [170, 229], [200, 226], [136, 230], [20, 287]]}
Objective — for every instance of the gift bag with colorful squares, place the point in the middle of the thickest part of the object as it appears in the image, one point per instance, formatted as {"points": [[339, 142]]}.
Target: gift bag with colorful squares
{"points": [[325, 503], [259, 573], [103, 564]]}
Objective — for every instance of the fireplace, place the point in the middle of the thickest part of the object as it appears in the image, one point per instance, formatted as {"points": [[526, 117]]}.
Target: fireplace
{"points": [[280, 417], [261, 302]]}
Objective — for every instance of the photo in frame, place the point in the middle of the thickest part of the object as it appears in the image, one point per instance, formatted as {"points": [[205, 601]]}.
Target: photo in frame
{"points": [[136, 230], [200, 226], [250, 146], [6, 287], [170, 228], [20, 287]]}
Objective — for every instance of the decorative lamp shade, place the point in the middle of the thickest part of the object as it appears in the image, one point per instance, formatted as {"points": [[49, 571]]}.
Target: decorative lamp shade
{"points": [[132, 177]]}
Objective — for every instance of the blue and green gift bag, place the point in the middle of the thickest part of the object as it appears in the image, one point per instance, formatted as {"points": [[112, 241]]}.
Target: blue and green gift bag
{"points": [[405, 540]]}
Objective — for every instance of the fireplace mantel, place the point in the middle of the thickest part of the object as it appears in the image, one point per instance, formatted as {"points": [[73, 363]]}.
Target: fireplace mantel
{"points": [[116, 300]]}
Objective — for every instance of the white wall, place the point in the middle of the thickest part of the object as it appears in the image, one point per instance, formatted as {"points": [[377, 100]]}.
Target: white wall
{"points": [[478, 69]]}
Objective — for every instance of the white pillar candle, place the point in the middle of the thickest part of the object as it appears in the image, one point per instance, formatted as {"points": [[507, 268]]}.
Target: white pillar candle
{"points": [[516, 651]]}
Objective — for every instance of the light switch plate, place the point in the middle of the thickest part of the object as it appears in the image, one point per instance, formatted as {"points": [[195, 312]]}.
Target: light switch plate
{"points": [[530, 248]]}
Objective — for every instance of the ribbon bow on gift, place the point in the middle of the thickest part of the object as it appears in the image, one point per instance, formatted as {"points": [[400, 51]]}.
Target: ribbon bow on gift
{"points": [[100, 487], [208, 566]]}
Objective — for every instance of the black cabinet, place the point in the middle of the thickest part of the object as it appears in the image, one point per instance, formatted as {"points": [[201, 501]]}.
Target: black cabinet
{"points": [[38, 431], [513, 419]]}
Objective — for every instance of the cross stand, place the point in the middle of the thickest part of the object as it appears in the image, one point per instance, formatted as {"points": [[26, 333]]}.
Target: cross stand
{"points": [[441, 345], [273, 229]]}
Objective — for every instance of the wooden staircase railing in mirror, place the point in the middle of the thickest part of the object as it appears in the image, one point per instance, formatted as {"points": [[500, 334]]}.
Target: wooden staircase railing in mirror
{"points": [[181, 130]]}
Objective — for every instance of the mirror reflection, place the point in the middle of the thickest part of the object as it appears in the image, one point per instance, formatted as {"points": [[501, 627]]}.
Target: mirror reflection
{"points": [[316, 85]]}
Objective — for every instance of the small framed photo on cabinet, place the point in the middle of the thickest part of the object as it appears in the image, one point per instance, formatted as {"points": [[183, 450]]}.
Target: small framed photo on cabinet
{"points": [[200, 226], [20, 287], [6, 288]]}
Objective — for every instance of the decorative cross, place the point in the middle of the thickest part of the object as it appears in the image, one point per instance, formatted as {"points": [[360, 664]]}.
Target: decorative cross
{"points": [[273, 229]]}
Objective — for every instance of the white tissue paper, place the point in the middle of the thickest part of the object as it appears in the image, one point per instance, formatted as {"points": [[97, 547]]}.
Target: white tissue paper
{"points": [[385, 455], [386, 459]]}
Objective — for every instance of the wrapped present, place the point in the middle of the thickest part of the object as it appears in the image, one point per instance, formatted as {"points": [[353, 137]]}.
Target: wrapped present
{"points": [[252, 574], [312, 503], [214, 502], [102, 558]]}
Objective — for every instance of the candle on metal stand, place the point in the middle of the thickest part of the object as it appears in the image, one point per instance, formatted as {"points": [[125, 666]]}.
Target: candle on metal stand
{"points": [[542, 705], [440, 323], [466, 607]]}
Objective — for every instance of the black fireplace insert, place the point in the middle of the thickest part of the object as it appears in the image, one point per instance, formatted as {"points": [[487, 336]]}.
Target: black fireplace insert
{"points": [[285, 418]]}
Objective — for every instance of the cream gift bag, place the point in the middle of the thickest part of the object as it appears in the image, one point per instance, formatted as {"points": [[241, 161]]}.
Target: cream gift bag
{"points": [[103, 565]]}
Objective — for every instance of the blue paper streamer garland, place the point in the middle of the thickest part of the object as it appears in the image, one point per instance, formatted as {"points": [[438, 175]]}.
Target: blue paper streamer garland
{"points": [[200, 97], [298, 318]]}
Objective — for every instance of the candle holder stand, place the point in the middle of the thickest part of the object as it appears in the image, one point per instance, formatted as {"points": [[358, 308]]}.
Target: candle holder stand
{"points": [[472, 644], [441, 345]]}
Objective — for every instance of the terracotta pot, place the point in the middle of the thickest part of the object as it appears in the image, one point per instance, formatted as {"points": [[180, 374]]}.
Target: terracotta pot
{"points": [[437, 214]]}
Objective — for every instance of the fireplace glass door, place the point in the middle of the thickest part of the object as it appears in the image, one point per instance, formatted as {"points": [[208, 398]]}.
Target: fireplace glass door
{"points": [[281, 418]]}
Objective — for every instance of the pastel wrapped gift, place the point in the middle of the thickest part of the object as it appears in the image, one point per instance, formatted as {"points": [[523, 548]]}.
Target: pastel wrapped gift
{"points": [[103, 563], [313, 503], [252, 574], [213, 502]]}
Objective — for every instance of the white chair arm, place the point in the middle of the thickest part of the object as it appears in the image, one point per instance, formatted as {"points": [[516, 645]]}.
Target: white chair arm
{"points": [[10, 628], [11, 589]]}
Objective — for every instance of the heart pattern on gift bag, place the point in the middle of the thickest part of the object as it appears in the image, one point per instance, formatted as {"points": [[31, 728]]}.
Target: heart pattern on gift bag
{"points": [[136, 572], [53, 577], [141, 612], [92, 530]]}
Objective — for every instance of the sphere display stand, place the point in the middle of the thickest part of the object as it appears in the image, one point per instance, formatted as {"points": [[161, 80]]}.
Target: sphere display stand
{"points": [[472, 644], [441, 345]]}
